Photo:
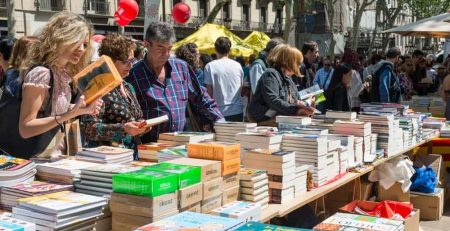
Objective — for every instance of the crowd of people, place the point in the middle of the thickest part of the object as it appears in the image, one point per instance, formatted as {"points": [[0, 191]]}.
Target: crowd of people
{"points": [[195, 90]]}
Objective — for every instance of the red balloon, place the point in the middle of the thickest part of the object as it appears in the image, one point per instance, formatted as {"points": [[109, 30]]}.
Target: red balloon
{"points": [[181, 12], [126, 12]]}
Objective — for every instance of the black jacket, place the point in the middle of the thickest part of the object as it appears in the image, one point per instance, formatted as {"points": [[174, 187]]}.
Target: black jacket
{"points": [[337, 99], [272, 95]]}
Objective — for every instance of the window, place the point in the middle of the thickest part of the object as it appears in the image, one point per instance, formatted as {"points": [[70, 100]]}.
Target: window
{"points": [[174, 2], [279, 17], [226, 11], [263, 14], [203, 8], [245, 13]]}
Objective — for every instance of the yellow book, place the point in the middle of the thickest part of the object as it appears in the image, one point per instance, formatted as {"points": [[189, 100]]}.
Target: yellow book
{"points": [[98, 79], [214, 150]]}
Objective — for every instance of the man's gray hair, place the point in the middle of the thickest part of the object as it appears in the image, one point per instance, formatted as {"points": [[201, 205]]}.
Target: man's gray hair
{"points": [[160, 31]]}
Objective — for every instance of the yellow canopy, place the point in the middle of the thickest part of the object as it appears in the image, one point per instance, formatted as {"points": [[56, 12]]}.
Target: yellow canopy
{"points": [[257, 39], [206, 36]]}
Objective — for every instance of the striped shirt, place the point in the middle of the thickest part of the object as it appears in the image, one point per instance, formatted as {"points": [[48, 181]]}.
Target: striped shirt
{"points": [[171, 98]]}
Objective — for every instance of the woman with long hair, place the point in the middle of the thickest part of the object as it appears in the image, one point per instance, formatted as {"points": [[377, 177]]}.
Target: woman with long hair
{"points": [[63, 50], [406, 70], [337, 94]]}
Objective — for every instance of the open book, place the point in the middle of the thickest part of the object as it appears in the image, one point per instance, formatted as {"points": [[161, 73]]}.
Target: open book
{"points": [[98, 79]]}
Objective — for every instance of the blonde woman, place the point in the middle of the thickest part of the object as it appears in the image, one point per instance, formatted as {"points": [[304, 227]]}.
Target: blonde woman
{"points": [[63, 49], [276, 93]]}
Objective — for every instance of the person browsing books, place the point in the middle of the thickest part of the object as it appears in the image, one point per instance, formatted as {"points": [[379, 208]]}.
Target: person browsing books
{"points": [[276, 93], [165, 85], [336, 94], [63, 50], [119, 122]]}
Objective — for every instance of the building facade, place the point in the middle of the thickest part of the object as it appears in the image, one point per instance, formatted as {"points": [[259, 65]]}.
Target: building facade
{"points": [[240, 16]]}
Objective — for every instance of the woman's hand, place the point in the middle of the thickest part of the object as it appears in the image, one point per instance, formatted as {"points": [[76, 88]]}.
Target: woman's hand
{"points": [[135, 128], [81, 108], [305, 110]]}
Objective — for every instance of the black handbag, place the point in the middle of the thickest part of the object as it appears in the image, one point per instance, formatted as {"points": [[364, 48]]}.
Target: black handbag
{"points": [[11, 141]]}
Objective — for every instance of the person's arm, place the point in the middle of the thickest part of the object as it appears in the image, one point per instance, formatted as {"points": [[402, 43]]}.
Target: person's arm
{"points": [[385, 79], [272, 98], [255, 74], [316, 79], [208, 80]]}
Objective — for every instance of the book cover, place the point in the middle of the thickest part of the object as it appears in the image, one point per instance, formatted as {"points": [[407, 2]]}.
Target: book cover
{"points": [[187, 175], [257, 226], [194, 221], [98, 79], [10, 164], [155, 121], [36, 187], [251, 174], [8, 223], [214, 151]]}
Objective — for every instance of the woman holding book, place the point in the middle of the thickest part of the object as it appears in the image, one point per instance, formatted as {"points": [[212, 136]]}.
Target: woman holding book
{"points": [[336, 95], [62, 50], [119, 122], [276, 93]]}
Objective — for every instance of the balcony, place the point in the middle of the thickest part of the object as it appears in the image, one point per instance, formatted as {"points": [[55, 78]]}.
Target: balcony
{"points": [[141, 4], [49, 5], [3, 3], [96, 7]]}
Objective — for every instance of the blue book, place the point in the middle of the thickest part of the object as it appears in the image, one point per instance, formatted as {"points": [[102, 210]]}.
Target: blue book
{"points": [[195, 221], [256, 226]]}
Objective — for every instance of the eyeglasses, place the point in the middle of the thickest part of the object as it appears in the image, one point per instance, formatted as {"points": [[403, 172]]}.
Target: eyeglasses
{"points": [[127, 62]]}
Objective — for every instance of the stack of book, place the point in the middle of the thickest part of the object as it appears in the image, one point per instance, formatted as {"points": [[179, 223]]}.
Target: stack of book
{"points": [[437, 108], [253, 140], [14, 170], [309, 131], [358, 129], [343, 159], [194, 221], [290, 122], [348, 141], [60, 211], [171, 153], [280, 167], [374, 144], [434, 123], [106, 155], [11, 194], [97, 180], [149, 152], [396, 109], [359, 151], [226, 131], [410, 137], [9, 223], [347, 221], [310, 150], [243, 211], [226, 188], [445, 132], [143, 196], [256, 226], [390, 136], [340, 115], [301, 177], [183, 138], [254, 186], [64, 171]]}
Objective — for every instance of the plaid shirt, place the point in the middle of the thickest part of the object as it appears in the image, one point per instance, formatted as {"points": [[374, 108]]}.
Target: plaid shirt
{"points": [[157, 99]]}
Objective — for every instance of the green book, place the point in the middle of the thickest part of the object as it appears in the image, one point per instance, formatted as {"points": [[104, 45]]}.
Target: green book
{"points": [[186, 175], [145, 182]]}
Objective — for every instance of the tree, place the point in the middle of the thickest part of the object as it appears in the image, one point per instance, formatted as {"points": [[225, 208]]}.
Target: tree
{"points": [[217, 8], [390, 16], [10, 8], [330, 4], [427, 8], [361, 6], [288, 6]]}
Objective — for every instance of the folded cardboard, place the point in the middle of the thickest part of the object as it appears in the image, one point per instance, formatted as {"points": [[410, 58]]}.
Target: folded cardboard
{"points": [[190, 195], [411, 223], [212, 188], [431, 160], [210, 168], [394, 193], [431, 206]]}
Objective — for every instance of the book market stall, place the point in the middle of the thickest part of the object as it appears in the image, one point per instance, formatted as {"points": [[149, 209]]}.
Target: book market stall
{"points": [[242, 177]]}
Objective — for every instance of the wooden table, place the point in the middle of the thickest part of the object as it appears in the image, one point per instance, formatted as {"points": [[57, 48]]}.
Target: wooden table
{"points": [[280, 210]]}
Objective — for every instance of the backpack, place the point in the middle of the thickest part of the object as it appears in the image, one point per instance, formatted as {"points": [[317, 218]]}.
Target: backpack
{"points": [[394, 85], [11, 141]]}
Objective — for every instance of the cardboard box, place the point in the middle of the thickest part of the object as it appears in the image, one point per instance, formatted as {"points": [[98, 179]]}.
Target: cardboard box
{"points": [[214, 150], [196, 208], [394, 193], [366, 190], [230, 195], [230, 181], [212, 203], [231, 166], [122, 221], [145, 182], [190, 195], [434, 161], [210, 168], [431, 206], [411, 223], [143, 206], [187, 175], [212, 188]]}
